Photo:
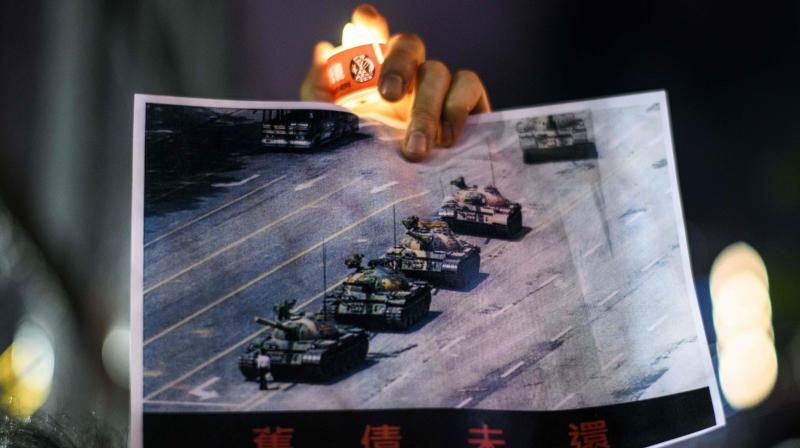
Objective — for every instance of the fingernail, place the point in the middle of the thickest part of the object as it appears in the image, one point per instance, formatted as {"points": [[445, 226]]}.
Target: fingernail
{"points": [[447, 134], [416, 146], [392, 87]]}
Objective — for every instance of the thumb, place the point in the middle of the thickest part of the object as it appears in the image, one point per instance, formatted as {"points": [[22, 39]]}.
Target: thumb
{"points": [[315, 86]]}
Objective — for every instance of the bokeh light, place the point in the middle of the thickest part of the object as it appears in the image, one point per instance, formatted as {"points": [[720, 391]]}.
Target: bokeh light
{"points": [[742, 313], [26, 371], [116, 350], [748, 369]]}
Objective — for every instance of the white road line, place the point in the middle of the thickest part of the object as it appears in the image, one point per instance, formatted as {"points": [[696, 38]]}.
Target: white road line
{"points": [[512, 369], [202, 392], [592, 250], [452, 343], [613, 362], [280, 266], [236, 184], [207, 214], [609, 297], [383, 187], [549, 280], [651, 264], [464, 403], [658, 322], [560, 335], [505, 308], [309, 183], [318, 295], [247, 237], [189, 403], [633, 218], [564, 401], [206, 363], [252, 405]]}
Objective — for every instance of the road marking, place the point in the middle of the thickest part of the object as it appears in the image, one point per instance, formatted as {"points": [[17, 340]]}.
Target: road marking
{"points": [[505, 308], [280, 266], [464, 403], [592, 250], [261, 399], [383, 187], [658, 322], [563, 333], [633, 218], [248, 236], [651, 264], [452, 343], [206, 363], [310, 183], [614, 361], [564, 401], [207, 214], [512, 369], [151, 373], [610, 296], [189, 403], [203, 392], [235, 184], [548, 281]]}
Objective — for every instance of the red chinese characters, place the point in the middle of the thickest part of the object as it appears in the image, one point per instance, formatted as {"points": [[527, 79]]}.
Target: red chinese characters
{"points": [[267, 438], [592, 434], [384, 436], [489, 437]]}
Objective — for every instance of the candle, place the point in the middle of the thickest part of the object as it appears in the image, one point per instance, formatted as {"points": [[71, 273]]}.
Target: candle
{"points": [[353, 69]]}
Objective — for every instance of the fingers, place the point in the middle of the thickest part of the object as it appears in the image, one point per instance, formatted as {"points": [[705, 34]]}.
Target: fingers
{"points": [[432, 85], [367, 16], [315, 86], [466, 96], [406, 54]]}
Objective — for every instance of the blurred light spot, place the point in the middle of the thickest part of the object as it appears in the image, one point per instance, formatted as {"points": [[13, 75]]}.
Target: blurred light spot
{"points": [[748, 369], [26, 371], [116, 349], [742, 313], [736, 259], [741, 304]]}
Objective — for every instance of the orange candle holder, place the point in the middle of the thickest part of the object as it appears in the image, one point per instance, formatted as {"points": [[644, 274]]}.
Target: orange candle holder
{"points": [[353, 73]]}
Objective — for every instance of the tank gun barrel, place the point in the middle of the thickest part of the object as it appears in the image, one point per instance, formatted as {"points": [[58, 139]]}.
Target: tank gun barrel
{"points": [[271, 323]]}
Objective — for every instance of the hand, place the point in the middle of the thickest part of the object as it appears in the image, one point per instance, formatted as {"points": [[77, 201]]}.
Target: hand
{"points": [[421, 93]]}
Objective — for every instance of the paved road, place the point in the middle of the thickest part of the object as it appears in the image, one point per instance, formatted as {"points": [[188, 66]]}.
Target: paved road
{"points": [[586, 307]]}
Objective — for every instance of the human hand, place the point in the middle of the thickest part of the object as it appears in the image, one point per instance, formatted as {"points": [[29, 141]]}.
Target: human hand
{"points": [[422, 93]]}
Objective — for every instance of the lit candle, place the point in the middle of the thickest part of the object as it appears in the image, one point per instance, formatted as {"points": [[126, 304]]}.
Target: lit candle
{"points": [[354, 67]]}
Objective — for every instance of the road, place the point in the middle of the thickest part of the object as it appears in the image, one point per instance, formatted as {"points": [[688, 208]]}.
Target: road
{"points": [[586, 307]]}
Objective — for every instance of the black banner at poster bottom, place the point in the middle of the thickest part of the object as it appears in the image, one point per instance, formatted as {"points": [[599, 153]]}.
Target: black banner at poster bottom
{"points": [[634, 424]]}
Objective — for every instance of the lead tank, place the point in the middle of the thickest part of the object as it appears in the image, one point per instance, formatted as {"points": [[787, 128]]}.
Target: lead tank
{"points": [[473, 210], [304, 346], [432, 252], [377, 297]]}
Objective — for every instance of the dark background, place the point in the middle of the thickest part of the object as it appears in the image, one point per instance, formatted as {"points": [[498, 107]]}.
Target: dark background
{"points": [[69, 71]]}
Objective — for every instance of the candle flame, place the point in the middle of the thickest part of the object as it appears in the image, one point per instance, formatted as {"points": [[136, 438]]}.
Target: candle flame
{"points": [[354, 35]]}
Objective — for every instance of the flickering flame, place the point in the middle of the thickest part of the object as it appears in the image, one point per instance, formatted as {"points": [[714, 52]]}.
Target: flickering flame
{"points": [[354, 35]]}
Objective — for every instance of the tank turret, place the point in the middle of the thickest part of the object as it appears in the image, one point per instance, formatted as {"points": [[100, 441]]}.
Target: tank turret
{"points": [[377, 296], [473, 210], [429, 250]]}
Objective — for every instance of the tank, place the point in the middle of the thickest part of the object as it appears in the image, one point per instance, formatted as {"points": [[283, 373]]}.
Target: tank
{"points": [[482, 211], [556, 137], [305, 346], [377, 297], [432, 252], [305, 128]]}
